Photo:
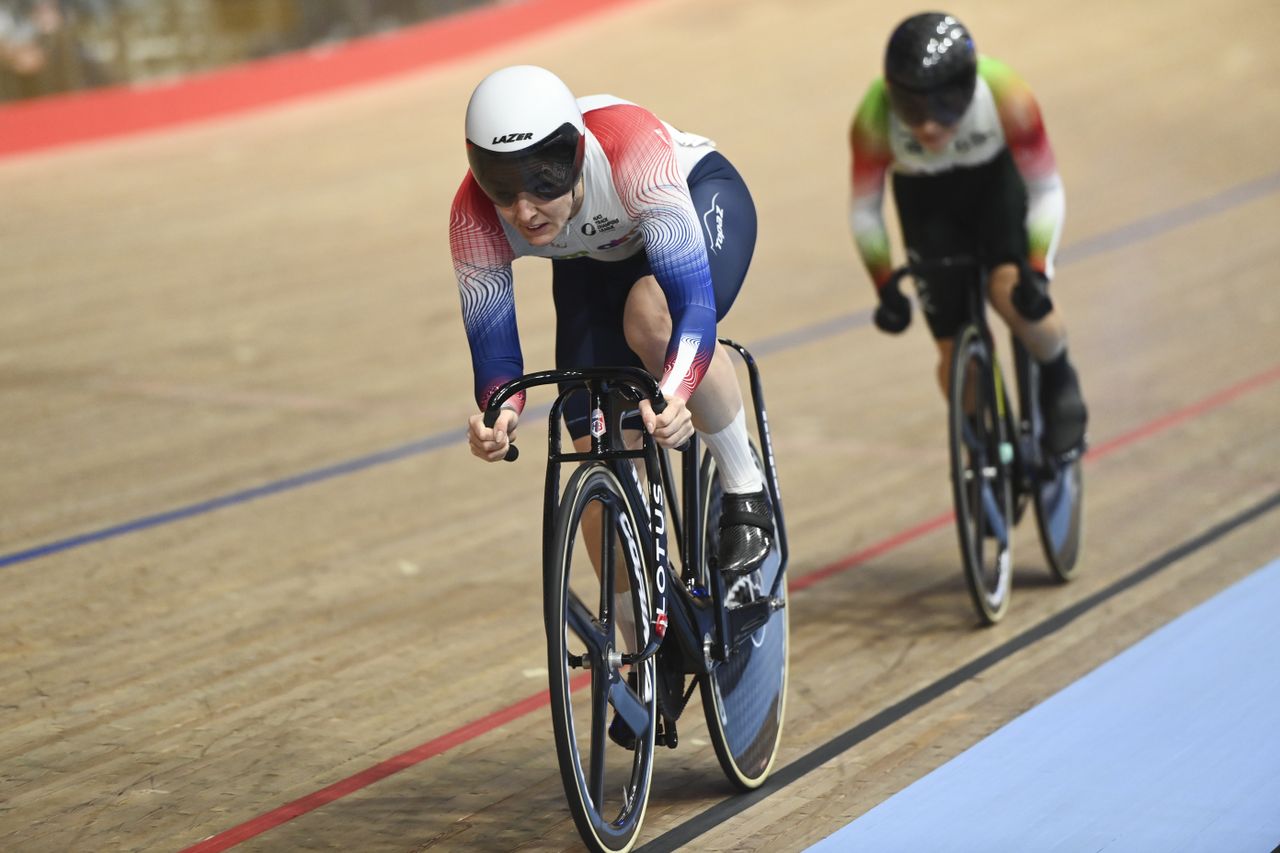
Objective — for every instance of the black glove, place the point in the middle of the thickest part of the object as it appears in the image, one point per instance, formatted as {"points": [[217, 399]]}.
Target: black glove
{"points": [[893, 314], [1031, 295]]}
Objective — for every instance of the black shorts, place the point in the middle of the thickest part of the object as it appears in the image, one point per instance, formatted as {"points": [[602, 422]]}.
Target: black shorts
{"points": [[978, 211], [591, 295]]}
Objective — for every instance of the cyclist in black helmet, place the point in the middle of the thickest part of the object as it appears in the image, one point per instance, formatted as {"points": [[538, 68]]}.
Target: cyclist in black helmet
{"points": [[974, 175]]}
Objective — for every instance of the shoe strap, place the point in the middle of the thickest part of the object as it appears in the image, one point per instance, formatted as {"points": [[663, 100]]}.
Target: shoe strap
{"points": [[750, 509]]}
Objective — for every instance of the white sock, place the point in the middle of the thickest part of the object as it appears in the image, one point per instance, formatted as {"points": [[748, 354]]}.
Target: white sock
{"points": [[624, 615], [732, 452]]}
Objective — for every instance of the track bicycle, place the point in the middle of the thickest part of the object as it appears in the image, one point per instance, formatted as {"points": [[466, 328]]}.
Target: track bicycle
{"points": [[606, 540], [997, 462]]}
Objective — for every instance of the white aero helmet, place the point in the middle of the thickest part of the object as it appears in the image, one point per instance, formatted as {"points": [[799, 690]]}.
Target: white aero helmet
{"points": [[524, 134]]}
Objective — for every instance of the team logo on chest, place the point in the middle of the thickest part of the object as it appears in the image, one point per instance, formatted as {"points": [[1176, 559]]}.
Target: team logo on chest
{"points": [[599, 224]]}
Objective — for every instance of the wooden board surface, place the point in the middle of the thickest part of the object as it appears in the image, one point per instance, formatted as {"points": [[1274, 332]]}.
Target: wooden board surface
{"points": [[191, 317]]}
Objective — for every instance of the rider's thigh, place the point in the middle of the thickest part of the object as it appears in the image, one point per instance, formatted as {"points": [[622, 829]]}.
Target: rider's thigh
{"points": [[630, 437], [1043, 338], [1000, 285], [946, 346], [646, 323]]}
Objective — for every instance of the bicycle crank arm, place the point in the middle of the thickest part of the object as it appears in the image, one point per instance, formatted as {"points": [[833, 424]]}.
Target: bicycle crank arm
{"points": [[749, 618]]}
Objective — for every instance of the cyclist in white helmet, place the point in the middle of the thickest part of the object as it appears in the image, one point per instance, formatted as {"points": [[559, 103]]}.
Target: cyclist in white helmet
{"points": [[650, 232]]}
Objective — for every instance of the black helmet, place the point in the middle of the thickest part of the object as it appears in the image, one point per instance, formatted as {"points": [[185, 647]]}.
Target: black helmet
{"points": [[930, 68]]}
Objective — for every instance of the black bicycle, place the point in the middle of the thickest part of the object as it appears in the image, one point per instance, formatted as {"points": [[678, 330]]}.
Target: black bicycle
{"points": [[614, 599], [998, 465]]}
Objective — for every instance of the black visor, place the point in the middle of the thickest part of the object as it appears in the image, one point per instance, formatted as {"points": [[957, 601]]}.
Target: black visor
{"points": [[946, 105], [547, 169]]}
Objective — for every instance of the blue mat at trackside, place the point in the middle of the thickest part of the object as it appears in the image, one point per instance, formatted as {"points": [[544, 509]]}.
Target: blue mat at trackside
{"points": [[1173, 745]]}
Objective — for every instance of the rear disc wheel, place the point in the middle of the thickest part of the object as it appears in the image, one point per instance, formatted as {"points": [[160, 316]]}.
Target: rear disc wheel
{"points": [[744, 697]]}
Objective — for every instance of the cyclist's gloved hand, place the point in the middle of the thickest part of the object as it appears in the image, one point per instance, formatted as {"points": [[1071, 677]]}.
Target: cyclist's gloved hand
{"points": [[1031, 295], [893, 314]]}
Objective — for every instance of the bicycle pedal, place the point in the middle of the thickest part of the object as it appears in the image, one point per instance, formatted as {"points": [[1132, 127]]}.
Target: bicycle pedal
{"points": [[666, 734], [620, 734], [1068, 457]]}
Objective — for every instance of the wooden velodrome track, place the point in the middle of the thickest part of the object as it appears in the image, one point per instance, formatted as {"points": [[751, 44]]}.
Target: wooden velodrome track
{"points": [[208, 336]]}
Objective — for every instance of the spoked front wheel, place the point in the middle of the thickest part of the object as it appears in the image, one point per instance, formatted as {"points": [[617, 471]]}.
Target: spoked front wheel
{"points": [[596, 574], [981, 481], [745, 696]]}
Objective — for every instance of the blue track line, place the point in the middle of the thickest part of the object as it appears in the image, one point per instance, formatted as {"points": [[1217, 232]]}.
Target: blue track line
{"points": [[1124, 236], [306, 478]]}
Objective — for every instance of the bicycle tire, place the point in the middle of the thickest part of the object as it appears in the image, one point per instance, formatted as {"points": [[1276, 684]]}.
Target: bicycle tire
{"points": [[744, 698], [981, 456], [1059, 502], [1056, 488], [575, 625]]}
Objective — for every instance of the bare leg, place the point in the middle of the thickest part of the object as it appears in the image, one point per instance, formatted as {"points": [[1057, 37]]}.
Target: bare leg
{"points": [[1045, 338], [648, 329], [746, 524]]}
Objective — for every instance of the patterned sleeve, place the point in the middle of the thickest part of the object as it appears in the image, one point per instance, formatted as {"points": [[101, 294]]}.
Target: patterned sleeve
{"points": [[654, 193], [1029, 143], [871, 158], [482, 259]]}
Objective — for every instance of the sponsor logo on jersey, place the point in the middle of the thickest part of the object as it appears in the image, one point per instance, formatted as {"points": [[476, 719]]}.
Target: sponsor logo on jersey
{"points": [[976, 139], [599, 224], [715, 238], [613, 244]]}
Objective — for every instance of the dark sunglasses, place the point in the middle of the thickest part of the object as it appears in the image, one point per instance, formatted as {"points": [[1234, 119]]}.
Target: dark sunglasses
{"points": [[945, 106], [546, 170]]}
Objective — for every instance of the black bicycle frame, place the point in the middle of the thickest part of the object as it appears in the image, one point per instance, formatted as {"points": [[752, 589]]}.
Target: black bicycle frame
{"points": [[1027, 426], [704, 627], [691, 619]]}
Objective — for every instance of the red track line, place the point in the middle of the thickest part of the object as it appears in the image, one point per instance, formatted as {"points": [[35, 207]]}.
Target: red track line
{"points": [[1186, 413], [378, 772], [95, 114], [870, 552], [470, 731]]}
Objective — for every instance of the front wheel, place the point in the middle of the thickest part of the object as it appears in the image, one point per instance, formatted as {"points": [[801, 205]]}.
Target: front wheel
{"points": [[595, 559], [744, 697], [981, 474]]}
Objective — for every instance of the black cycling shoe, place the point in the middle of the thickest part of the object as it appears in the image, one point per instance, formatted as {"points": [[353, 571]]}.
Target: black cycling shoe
{"points": [[746, 533], [621, 734], [1062, 405]]}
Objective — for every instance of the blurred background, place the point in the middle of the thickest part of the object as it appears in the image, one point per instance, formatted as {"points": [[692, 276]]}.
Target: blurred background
{"points": [[53, 46]]}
